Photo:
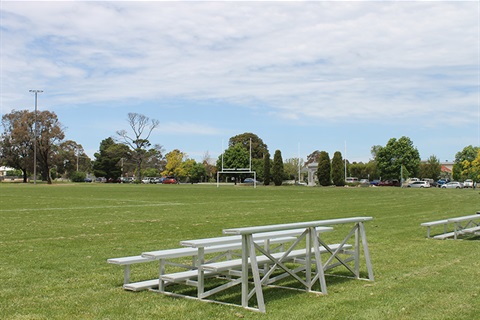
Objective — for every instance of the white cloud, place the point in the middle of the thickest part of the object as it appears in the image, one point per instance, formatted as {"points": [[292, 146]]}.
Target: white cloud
{"points": [[297, 61], [233, 50]]}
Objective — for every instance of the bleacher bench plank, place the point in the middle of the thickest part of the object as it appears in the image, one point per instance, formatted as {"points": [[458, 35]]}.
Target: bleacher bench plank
{"points": [[444, 236], [430, 224], [474, 230], [129, 260], [141, 285], [214, 269], [219, 267], [185, 252], [179, 253]]}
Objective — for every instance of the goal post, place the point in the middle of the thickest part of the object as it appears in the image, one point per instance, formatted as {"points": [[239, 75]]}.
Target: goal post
{"points": [[237, 171]]}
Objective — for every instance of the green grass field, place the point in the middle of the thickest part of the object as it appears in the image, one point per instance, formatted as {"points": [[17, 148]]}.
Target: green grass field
{"points": [[55, 241]]}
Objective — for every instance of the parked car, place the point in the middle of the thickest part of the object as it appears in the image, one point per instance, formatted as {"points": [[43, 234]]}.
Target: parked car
{"points": [[389, 183], [452, 185], [351, 180], [155, 180], [169, 180], [151, 180], [468, 183], [374, 182], [441, 182], [128, 179], [364, 183], [419, 184], [412, 180], [250, 180], [432, 182]]}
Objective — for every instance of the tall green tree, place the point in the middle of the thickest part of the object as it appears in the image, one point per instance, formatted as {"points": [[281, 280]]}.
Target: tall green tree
{"points": [[259, 148], [394, 155], [338, 169], [468, 153], [371, 169], [195, 172], [357, 169], [266, 169], [431, 168], [277, 168], [16, 143], [71, 158], [154, 158], [174, 167], [50, 134], [210, 169], [471, 169], [324, 169], [108, 160], [290, 167], [364, 170], [235, 157], [141, 126], [258, 167]]}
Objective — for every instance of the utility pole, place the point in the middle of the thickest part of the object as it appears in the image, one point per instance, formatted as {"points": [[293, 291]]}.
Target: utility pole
{"points": [[35, 137]]}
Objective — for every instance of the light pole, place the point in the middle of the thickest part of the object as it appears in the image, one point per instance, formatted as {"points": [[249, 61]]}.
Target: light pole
{"points": [[35, 136]]}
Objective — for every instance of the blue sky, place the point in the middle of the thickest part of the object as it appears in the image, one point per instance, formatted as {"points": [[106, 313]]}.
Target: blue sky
{"points": [[303, 76]]}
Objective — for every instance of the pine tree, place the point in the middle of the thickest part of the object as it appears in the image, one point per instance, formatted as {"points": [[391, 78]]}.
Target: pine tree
{"points": [[277, 169], [338, 169], [266, 169], [324, 169]]}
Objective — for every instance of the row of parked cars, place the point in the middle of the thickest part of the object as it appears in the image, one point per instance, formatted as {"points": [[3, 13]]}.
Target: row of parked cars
{"points": [[415, 183], [469, 183], [445, 184], [158, 180], [153, 180]]}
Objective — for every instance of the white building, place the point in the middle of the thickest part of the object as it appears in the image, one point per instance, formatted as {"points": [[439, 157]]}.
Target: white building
{"points": [[4, 170]]}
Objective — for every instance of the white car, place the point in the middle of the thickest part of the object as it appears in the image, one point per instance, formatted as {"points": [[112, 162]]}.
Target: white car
{"points": [[468, 183], [452, 185], [419, 184]]}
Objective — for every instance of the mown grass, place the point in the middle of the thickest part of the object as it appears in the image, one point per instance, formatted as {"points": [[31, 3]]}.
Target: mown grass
{"points": [[55, 241]]}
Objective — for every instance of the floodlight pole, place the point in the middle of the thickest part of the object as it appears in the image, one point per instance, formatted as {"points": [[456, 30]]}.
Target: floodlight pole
{"points": [[345, 160], [35, 137], [250, 164], [299, 163]]}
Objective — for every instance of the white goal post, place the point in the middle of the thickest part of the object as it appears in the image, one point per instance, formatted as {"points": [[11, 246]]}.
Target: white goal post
{"points": [[238, 170]]}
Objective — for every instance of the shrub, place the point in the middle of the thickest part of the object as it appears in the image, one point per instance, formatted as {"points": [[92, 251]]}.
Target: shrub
{"points": [[78, 176]]}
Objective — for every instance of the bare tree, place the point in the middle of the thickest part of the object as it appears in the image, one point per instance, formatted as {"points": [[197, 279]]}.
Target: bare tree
{"points": [[142, 127]]}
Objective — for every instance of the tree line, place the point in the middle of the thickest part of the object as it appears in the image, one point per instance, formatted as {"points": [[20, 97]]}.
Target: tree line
{"points": [[131, 154]]}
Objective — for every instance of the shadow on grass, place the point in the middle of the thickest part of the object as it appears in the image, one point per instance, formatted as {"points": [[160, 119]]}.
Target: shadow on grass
{"points": [[471, 237], [281, 290]]}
